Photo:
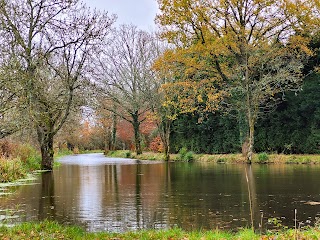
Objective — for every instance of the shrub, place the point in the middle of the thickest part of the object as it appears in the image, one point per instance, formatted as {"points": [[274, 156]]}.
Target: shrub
{"points": [[17, 160], [33, 162], [29, 156], [189, 156], [76, 150], [182, 153], [185, 155], [221, 160], [306, 160], [128, 154], [11, 170], [292, 160], [156, 145], [263, 157], [6, 148]]}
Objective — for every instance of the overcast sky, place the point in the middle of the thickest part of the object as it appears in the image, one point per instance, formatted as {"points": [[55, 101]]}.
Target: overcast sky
{"points": [[138, 12]]}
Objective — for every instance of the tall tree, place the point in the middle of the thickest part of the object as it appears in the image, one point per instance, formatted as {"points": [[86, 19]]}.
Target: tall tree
{"points": [[182, 90], [52, 41], [126, 78], [252, 47]]}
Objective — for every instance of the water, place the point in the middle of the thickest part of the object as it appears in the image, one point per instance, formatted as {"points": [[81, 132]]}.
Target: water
{"points": [[104, 194]]}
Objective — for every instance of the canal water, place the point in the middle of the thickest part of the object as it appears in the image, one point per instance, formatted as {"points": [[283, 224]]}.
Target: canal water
{"points": [[117, 195]]}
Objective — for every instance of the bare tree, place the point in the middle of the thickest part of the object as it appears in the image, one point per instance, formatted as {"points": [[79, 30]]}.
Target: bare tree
{"points": [[52, 41], [126, 78]]}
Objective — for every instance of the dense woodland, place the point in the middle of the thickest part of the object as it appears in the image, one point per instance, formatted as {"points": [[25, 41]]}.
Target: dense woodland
{"points": [[219, 76], [293, 127]]}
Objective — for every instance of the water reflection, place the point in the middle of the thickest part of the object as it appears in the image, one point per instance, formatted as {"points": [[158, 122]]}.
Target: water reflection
{"points": [[119, 195]]}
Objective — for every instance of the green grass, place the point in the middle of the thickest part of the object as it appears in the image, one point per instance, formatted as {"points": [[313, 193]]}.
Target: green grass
{"points": [[62, 153], [120, 154], [53, 230], [232, 158]]}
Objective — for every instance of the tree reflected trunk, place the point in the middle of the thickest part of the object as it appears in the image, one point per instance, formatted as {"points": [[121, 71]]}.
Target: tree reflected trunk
{"points": [[138, 196], [252, 195], [47, 207]]}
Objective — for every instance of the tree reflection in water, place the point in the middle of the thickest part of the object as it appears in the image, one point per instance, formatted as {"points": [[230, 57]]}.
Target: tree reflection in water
{"points": [[119, 195]]}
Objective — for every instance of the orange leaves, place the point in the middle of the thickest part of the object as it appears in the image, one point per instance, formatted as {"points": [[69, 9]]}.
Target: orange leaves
{"points": [[190, 82]]}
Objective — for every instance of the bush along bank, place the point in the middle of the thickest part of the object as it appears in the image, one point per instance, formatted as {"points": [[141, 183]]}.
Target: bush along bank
{"points": [[187, 156], [17, 161]]}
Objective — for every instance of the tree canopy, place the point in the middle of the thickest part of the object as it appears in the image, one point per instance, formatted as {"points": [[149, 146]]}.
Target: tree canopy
{"points": [[250, 50]]}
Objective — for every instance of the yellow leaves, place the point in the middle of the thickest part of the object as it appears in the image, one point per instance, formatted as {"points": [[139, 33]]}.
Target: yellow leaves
{"points": [[306, 13], [199, 99], [190, 96], [299, 44]]}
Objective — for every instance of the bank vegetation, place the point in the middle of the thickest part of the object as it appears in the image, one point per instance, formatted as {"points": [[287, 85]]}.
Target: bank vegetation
{"points": [[53, 230]]}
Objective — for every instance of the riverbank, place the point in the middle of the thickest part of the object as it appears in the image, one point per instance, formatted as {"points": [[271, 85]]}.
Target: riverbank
{"points": [[53, 230], [17, 161], [261, 158], [20, 161]]}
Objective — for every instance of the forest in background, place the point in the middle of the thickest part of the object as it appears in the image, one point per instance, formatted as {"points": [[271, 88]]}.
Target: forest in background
{"points": [[292, 128]]}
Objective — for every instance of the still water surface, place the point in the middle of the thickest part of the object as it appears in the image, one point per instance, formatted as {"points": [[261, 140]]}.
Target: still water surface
{"points": [[105, 194]]}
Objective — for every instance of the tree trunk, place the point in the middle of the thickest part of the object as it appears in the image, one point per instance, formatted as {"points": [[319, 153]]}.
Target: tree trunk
{"points": [[250, 114], [136, 128], [165, 137], [45, 139], [166, 152], [251, 140], [114, 132]]}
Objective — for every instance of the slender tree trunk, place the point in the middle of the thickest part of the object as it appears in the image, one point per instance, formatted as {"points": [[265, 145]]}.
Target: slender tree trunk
{"points": [[107, 140], [164, 128], [136, 128], [251, 140], [45, 139], [166, 152], [114, 132], [250, 115]]}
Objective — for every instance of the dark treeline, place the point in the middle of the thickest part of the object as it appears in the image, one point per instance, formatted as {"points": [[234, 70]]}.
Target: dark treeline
{"points": [[293, 127]]}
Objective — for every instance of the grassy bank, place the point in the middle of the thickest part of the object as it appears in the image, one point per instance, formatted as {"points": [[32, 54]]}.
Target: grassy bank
{"points": [[53, 230], [221, 158], [17, 161]]}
